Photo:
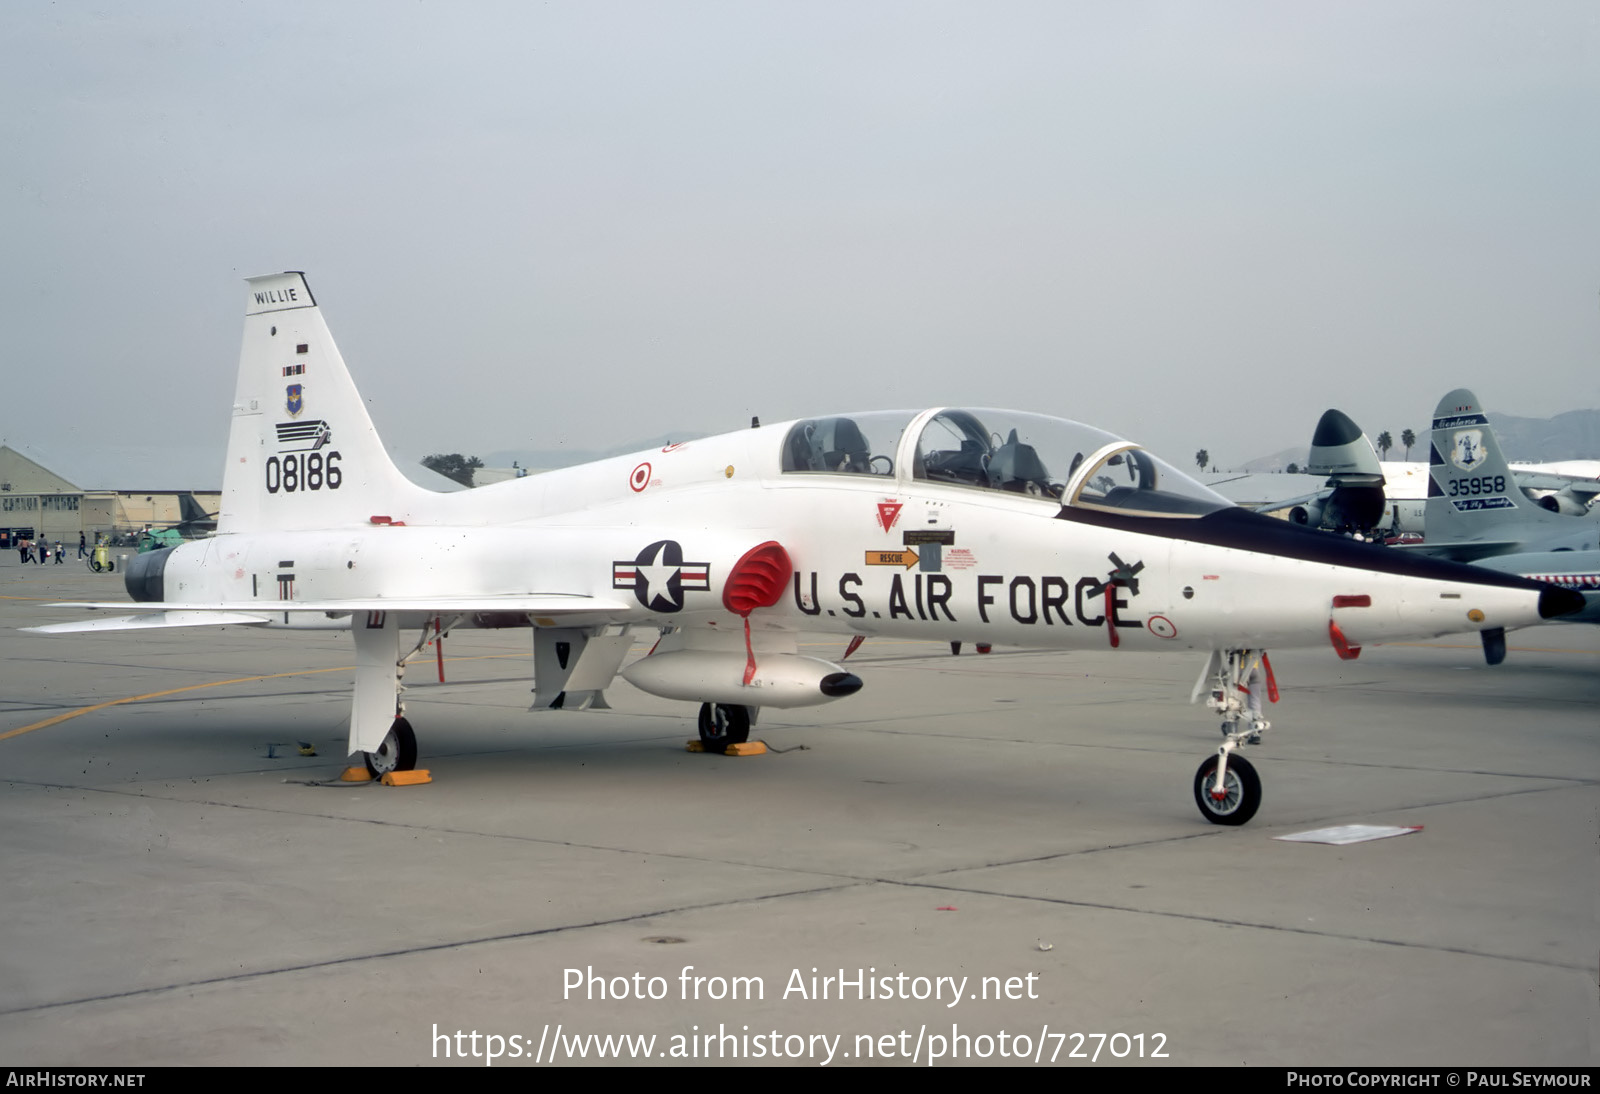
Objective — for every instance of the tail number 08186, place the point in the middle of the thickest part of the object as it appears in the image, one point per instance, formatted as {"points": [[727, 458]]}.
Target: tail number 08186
{"points": [[312, 471]]}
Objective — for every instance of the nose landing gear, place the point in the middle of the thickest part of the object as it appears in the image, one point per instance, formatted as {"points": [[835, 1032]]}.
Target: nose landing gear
{"points": [[1227, 789]]}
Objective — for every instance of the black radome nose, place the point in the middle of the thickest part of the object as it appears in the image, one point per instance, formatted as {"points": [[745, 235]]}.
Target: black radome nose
{"points": [[1554, 601], [836, 685]]}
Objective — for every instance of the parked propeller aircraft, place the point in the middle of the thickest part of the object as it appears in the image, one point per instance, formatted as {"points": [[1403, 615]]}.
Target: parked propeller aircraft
{"points": [[988, 525]]}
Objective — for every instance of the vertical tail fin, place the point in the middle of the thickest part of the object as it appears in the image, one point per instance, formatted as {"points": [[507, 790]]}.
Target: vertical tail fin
{"points": [[1472, 494], [302, 452]]}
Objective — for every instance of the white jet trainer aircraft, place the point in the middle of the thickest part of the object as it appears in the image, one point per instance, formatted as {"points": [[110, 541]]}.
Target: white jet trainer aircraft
{"points": [[982, 525]]}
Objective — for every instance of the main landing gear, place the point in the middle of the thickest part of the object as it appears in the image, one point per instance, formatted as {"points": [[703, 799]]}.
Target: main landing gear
{"points": [[397, 753], [379, 731], [1226, 786], [722, 725]]}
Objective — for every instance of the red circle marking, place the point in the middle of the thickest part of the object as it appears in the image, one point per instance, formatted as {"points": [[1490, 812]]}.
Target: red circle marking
{"points": [[1161, 627], [640, 477]]}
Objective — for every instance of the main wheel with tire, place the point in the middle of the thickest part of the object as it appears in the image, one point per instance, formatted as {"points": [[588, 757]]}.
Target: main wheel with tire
{"points": [[1241, 791], [397, 753], [722, 725]]}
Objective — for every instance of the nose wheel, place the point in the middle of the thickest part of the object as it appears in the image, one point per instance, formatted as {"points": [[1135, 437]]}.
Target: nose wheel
{"points": [[1234, 799]]}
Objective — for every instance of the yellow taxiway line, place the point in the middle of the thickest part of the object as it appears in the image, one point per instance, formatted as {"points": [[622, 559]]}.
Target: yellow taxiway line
{"points": [[59, 718], [159, 694]]}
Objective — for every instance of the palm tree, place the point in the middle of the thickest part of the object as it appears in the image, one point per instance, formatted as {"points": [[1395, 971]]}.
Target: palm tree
{"points": [[1202, 458], [1408, 438], [1385, 442]]}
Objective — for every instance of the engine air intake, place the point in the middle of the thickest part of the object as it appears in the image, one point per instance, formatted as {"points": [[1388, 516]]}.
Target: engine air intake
{"points": [[758, 579]]}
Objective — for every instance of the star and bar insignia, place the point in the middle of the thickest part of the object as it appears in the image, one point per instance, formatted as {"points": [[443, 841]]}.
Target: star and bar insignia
{"points": [[659, 576]]}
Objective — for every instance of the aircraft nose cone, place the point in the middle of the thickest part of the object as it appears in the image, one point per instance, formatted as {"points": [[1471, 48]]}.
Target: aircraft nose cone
{"points": [[836, 685], [1554, 601]]}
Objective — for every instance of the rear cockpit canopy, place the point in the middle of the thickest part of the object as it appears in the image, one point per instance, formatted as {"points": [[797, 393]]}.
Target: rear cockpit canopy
{"points": [[1015, 452]]}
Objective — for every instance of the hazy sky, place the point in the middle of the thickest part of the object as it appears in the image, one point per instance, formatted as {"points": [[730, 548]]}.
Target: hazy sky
{"points": [[1197, 224]]}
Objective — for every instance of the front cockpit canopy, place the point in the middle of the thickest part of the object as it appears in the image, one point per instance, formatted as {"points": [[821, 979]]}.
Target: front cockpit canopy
{"points": [[1055, 460], [1127, 479]]}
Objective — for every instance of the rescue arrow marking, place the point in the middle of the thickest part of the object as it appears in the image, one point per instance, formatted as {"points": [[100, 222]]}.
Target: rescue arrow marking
{"points": [[906, 558]]}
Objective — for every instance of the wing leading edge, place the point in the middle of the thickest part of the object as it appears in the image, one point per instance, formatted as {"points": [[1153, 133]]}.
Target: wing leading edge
{"points": [[256, 613]]}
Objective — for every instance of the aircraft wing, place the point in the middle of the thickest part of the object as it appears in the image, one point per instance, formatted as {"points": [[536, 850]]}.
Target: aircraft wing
{"points": [[1465, 551], [1285, 503], [152, 620], [1583, 490], [256, 612]]}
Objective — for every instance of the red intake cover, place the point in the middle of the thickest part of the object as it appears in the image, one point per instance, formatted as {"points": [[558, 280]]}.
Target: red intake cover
{"points": [[758, 579]]}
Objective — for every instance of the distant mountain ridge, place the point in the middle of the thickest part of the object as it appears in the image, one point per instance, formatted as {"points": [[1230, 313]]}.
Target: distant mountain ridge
{"points": [[1573, 435]]}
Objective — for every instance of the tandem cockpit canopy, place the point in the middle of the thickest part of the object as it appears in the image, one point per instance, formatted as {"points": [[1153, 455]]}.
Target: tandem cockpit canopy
{"points": [[1015, 452]]}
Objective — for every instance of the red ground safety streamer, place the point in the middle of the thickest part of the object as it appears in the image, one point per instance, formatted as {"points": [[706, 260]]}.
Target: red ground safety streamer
{"points": [[749, 655], [1341, 645]]}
